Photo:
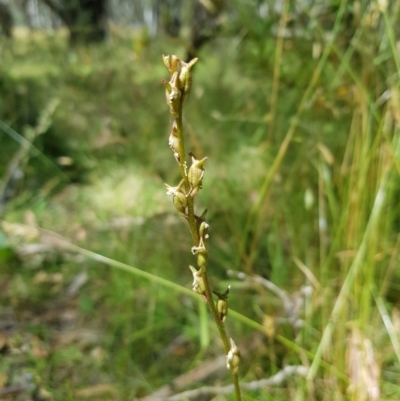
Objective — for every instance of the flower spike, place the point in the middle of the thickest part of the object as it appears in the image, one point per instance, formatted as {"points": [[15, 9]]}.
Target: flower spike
{"points": [[177, 89]]}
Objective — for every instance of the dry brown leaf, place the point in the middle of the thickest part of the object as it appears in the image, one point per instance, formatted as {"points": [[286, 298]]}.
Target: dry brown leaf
{"points": [[39, 349], [326, 153]]}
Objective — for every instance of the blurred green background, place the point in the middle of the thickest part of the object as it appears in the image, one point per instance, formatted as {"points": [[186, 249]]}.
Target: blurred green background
{"points": [[297, 107]]}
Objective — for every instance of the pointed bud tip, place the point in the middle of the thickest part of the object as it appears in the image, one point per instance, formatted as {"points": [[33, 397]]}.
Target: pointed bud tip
{"points": [[190, 63]]}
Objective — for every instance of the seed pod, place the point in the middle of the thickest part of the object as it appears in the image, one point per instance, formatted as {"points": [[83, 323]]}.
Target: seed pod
{"points": [[233, 358]]}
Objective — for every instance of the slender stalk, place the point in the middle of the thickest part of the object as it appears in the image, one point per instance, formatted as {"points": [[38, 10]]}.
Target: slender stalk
{"points": [[277, 69], [184, 194]]}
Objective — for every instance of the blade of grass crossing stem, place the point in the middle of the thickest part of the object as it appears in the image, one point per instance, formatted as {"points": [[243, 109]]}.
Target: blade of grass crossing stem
{"points": [[203, 324], [159, 280]]}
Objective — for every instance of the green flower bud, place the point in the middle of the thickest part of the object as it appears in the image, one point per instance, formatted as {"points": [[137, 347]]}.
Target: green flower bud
{"points": [[222, 308], [195, 174], [201, 253], [180, 202], [222, 303], [168, 89], [185, 76], [202, 225], [203, 230], [174, 95], [171, 62], [233, 358], [202, 258], [179, 198], [198, 280]]}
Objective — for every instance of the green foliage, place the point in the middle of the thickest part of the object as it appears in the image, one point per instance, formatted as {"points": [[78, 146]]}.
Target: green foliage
{"points": [[321, 214]]}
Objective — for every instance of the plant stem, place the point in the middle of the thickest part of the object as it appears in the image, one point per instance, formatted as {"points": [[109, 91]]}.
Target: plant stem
{"points": [[176, 107], [193, 229], [195, 236], [222, 333], [183, 168], [194, 232]]}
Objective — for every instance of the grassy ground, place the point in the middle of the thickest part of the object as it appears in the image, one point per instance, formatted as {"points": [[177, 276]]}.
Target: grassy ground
{"points": [[302, 186]]}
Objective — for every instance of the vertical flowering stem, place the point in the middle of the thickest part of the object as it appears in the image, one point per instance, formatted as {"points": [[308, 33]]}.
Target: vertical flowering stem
{"points": [[183, 168], [177, 90]]}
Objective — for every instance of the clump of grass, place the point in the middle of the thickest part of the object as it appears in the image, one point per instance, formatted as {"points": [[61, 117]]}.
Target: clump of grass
{"points": [[177, 91]]}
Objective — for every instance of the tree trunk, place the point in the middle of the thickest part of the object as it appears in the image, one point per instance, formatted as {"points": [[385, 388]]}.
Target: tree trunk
{"points": [[205, 23], [6, 19], [85, 19], [170, 16]]}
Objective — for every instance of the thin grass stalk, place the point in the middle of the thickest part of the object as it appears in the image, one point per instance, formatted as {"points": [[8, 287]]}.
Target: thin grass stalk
{"points": [[389, 24], [277, 68], [351, 275], [253, 215]]}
